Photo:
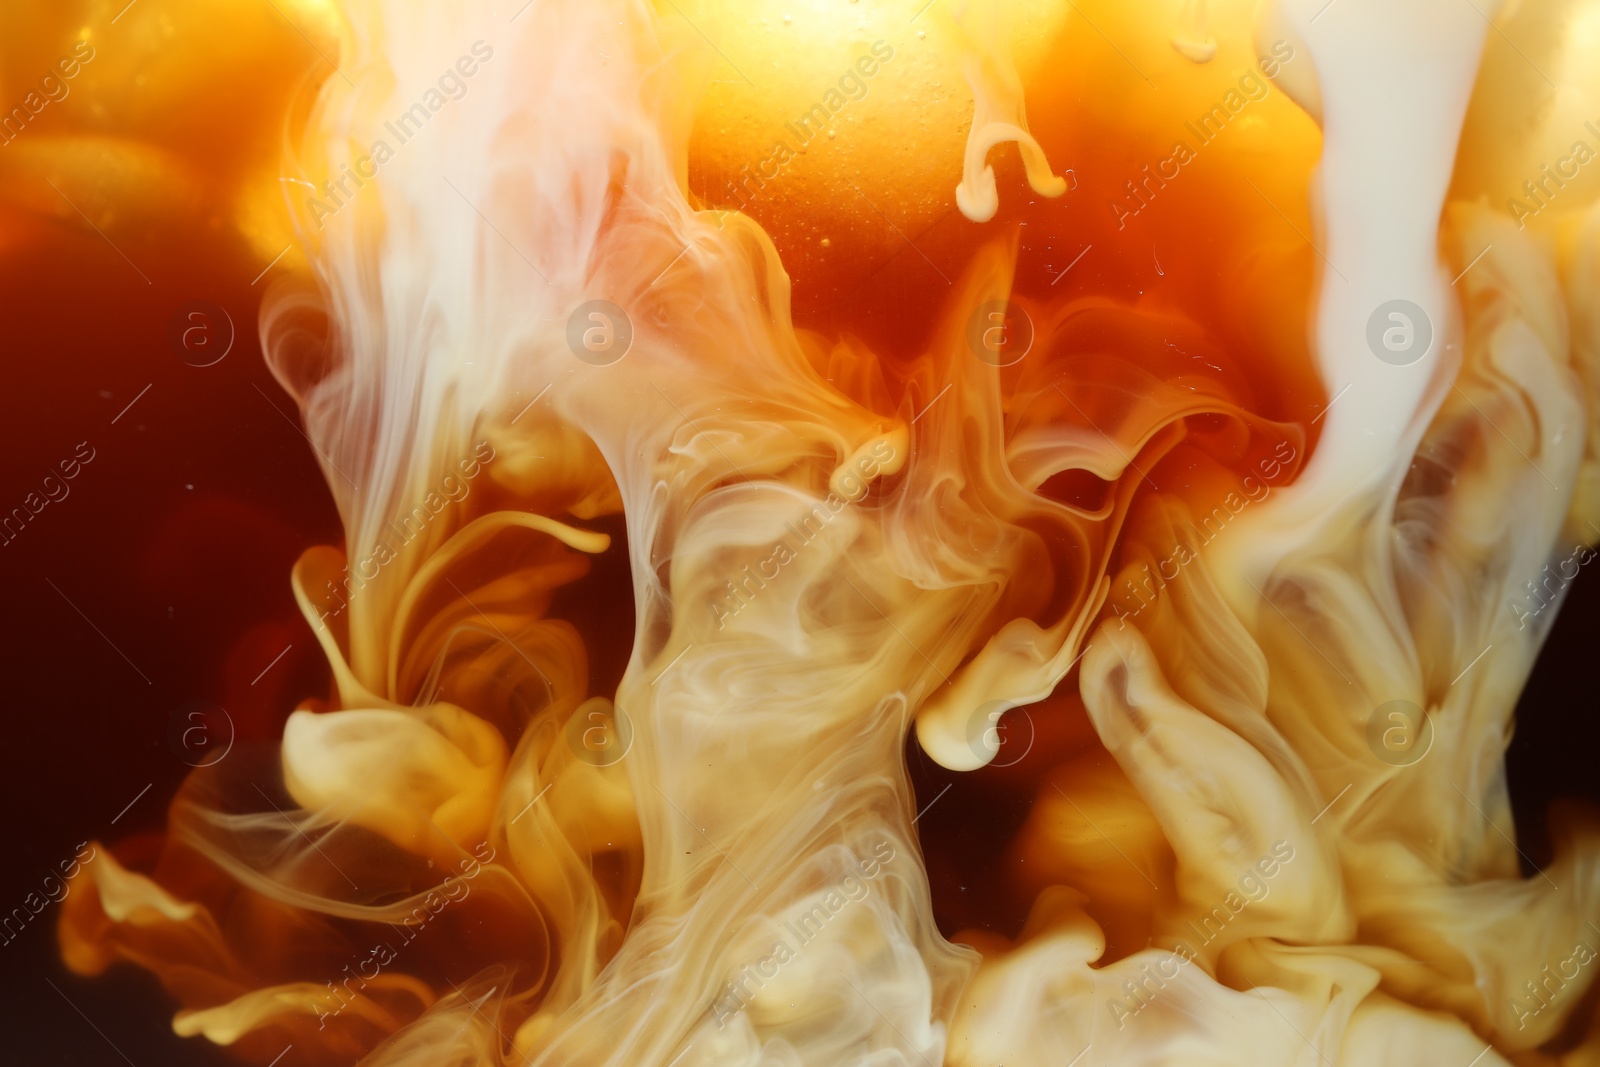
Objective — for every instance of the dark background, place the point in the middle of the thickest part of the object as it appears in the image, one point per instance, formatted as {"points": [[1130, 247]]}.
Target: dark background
{"points": [[173, 547]]}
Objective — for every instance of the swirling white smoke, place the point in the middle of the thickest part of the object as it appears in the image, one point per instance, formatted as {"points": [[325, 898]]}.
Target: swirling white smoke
{"points": [[823, 563]]}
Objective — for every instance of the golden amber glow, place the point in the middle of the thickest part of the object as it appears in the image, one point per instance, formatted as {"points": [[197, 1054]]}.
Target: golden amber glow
{"points": [[1145, 421]]}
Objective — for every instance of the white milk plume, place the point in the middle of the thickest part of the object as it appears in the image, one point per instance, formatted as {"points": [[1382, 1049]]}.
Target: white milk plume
{"points": [[763, 810]]}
